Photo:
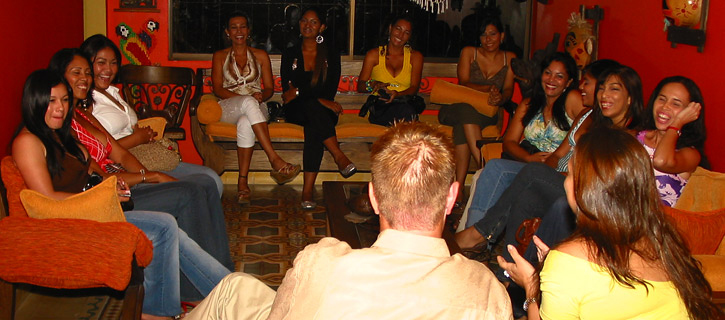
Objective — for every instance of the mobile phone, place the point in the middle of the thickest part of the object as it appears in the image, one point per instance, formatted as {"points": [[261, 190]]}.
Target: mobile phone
{"points": [[383, 94], [126, 193]]}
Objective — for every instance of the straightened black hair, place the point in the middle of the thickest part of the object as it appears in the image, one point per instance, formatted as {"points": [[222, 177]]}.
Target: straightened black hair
{"points": [[538, 99], [98, 42], [35, 102]]}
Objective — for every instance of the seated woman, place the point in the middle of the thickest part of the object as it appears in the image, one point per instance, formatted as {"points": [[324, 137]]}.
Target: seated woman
{"points": [[53, 163], [392, 72], [115, 115], [619, 105], [486, 69], [498, 174], [242, 78], [638, 269], [192, 200], [310, 73]]}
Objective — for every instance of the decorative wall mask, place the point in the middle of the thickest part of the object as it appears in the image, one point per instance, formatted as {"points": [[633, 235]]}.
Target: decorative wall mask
{"points": [[136, 47], [682, 13], [579, 41]]}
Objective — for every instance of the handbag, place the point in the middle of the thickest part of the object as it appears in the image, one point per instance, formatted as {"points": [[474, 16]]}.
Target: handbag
{"points": [[162, 155]]}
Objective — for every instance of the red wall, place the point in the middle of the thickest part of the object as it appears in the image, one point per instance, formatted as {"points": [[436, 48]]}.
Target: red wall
{"points": [[32, 32], [632, 33]]}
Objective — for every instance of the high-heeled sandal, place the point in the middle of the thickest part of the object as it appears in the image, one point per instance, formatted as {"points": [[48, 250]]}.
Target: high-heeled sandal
{"points": [[244, 197], [286, 173]]}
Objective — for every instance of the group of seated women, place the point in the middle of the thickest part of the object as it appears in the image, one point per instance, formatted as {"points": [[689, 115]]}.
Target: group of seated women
{"points": [[604, 216]]}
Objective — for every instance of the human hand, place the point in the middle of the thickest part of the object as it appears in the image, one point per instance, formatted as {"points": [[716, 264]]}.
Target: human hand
{"points": [[690, 113], [123, 191], [538, 157], [391, 95], [290, 94], [542, 250], [332, 105], [495, 97], [146, 133], [258, 96], [520, 271]]}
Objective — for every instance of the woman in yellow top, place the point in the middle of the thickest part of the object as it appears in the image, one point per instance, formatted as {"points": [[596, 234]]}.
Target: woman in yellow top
{"points": [[624, 260], [392, 73]]}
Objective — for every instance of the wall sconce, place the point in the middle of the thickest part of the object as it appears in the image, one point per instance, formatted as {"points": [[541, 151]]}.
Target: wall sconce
{"points": [[686, 21]]}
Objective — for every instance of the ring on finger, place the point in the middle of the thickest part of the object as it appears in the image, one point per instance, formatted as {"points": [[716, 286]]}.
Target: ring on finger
{"points": [[506, 273]]}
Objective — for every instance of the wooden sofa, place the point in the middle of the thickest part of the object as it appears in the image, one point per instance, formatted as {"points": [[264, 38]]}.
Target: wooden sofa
{"points": [[216, 142]]}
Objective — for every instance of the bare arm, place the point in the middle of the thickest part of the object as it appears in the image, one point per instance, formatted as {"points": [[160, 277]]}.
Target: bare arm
{"points": [[565, 146], [139, 136], [574, 105], [267, 79], [29, 156], [371, 60], [508, 84], [666, 157], [514, 134]]}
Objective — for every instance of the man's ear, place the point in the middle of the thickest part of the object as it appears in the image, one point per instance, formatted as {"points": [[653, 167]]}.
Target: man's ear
{"points": [[451, 198], [373, 201]]}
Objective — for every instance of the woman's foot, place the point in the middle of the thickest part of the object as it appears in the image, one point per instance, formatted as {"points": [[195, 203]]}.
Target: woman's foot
{"points": [[283, 172], [469, 239], [346, 167], [243, 192]]}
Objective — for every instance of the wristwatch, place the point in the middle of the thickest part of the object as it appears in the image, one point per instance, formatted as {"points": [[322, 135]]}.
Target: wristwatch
{"points": [[528, 302]]}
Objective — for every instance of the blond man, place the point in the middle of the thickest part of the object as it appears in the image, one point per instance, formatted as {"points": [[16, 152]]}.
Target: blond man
{"points": [[408, 273]]}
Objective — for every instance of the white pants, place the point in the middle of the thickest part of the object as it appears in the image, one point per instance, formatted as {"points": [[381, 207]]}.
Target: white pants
{"points": [[238, 296], [245, 111]]}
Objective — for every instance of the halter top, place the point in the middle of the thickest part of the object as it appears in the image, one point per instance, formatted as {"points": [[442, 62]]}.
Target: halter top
{"points": [[245, 81], [96, 149], [545, 136], [668, 185], [563, 165], [476, 75]]}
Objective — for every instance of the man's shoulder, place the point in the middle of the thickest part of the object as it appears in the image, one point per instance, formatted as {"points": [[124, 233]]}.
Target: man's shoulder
{"points": [[328, 247]]}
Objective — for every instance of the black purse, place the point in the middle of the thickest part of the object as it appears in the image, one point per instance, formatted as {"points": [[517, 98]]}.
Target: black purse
{"points": [[94, 179]]}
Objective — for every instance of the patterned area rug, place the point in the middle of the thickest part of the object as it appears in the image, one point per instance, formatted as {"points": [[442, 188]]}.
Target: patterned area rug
{"points": [[265, 236]]}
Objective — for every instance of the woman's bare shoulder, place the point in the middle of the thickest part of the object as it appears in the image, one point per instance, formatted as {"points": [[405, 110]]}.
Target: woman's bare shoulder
{"points": [[260, 54], [576, 247]]}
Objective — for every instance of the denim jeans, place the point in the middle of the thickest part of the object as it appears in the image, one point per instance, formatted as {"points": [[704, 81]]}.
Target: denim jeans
{"points": [[185, 169], [496, 176], [173, 251]]}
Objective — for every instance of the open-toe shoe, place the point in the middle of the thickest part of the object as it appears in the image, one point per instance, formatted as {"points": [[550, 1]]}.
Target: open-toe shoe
{"points": [[285, 174]]}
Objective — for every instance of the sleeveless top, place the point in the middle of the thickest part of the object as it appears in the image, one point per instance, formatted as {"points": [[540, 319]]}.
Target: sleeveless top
{"points": [[476, 75], [545, 136], [563, 165], [96, 149], [398, 83], [668, 185], [74, 175], [245, 81]]}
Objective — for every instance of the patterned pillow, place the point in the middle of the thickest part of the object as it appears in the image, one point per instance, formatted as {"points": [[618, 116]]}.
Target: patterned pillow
{"points": [[703, 231]]}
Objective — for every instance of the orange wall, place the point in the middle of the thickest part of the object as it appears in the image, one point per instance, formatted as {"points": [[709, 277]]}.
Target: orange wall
{"points": [[631, 33], [32, 32]]}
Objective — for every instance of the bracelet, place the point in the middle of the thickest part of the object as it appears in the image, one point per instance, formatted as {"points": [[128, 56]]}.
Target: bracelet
{"points": [[368, 85], [528, 302], [143, 175], [679, 132]]}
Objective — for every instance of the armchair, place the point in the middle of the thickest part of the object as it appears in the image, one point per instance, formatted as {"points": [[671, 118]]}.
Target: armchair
{"points": [[60, 258], [159, 92]]}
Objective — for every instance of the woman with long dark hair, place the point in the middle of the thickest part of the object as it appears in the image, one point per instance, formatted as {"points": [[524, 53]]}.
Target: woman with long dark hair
{"points": [[55, 164], [640, 268], [114, 113], [310, 74], [392, 73]]}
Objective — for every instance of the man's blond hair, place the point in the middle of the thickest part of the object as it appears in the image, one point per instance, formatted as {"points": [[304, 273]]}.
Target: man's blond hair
{"points": [[412, 171]]}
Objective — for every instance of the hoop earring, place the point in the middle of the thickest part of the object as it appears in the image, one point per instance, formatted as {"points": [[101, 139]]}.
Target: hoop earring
{"points": [[319, 39]]}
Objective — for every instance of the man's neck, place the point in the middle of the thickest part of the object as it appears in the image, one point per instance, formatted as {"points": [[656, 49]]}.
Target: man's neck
{"points": [[437, 232]]}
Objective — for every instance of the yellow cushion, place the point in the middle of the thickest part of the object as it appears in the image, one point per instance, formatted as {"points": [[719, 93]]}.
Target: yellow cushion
{"points": [[99, 203], [444, 92], [703, 191], [209, 110], [157, 124]]}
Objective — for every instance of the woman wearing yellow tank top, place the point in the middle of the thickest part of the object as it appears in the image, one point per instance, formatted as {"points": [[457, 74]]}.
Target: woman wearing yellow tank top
{"points": [[392, 72]]}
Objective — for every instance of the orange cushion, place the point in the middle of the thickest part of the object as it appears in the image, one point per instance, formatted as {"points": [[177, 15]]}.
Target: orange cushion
{"points": [[713, 267], [702, 231], [445, 92], [14, 183], [70, 253], [157, 124], [209, 110], [99, 203]]}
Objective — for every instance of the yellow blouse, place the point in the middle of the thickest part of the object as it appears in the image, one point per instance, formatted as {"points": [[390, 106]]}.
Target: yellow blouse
{"points": [[574, 288]]}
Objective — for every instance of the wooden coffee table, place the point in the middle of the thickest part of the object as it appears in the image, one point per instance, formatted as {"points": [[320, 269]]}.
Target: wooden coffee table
{"points": [[357, 235]]}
